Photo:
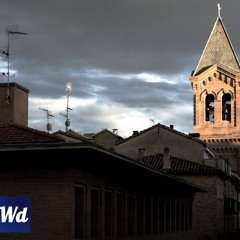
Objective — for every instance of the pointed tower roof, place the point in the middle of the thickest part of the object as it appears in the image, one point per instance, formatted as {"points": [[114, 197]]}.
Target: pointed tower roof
{"points": [[218, 49]]}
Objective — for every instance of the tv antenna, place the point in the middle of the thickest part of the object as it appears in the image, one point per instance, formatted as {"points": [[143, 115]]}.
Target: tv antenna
{"points": [[49, 115], [10, 32], [152, 120], [69, 92], [115, 130]]}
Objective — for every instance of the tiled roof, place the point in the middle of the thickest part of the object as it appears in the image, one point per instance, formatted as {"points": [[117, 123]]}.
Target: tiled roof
{"points": [[177, 165], [14, 133], [70, 133]]}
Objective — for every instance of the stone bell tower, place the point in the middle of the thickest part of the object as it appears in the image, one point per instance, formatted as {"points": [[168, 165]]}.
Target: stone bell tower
{"points": [[216, 96], [216, 87]]}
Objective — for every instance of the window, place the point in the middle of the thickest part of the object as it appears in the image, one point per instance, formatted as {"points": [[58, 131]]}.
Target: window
{"points": [[161, 216], [131, 214], [226, 107], [139, 215], [209, 108], [173, 217], [155, 216], [186, 217], [182, 217], [148, 215], [95, 213], [109, 213], [194, 110], [120, 214], [80, 212], [178, 217], [168, 216], [190, 217], [104, 213]]}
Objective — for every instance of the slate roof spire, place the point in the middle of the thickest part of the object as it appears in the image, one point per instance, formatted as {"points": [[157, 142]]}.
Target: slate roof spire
{"points": [[218, 49]]}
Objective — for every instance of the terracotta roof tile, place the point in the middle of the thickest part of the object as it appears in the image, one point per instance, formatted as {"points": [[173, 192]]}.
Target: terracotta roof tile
{"points": [[14, 133], [177, 165]]}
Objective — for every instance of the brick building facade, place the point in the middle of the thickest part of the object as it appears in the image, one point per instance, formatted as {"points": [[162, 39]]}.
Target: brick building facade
{"points": [[92, 192], [164, 148]]}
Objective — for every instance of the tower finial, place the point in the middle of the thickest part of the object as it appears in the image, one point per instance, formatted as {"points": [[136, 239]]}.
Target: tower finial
{"points": [[219, 9]]}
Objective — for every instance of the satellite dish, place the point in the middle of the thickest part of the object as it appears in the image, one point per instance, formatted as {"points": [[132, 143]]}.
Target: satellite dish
{"points": [[49, 127], [67, 123]]}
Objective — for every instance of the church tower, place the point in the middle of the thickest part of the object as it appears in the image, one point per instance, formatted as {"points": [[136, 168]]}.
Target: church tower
{"points": [[216, 95], [216, 86]]}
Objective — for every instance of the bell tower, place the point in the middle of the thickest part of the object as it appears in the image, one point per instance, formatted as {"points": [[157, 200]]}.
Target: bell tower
{"points": [[216, 87]]}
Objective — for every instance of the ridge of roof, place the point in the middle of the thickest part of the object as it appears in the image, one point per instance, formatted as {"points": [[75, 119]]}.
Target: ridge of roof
{"points": [[70, 133], [218, 50], [164, 127], [14, 133], [110, 132]]}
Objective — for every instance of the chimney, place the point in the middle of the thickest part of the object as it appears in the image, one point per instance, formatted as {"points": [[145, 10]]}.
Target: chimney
{"points": [[134, 133], [195, 135], [166, 159], [13, 104], [141, 152], [172, 126]]}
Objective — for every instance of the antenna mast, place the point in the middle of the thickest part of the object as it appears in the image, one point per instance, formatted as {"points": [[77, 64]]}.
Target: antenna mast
{"points": [[49, 115], [69, 92], [7, 54]]}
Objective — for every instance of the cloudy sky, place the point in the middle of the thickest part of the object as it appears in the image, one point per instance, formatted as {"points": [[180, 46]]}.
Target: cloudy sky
{"points": [[129, 61]]}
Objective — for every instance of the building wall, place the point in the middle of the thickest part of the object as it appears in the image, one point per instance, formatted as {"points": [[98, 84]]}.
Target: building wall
{"points": [[118, 213], [106, 139], [77, 199], [209, 212], [50, 193], [227, 149], [156, 139], [205, 207]]}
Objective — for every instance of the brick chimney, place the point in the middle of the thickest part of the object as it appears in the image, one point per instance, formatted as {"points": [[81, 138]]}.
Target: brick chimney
{"points": [[13, 104], [166, 159]]}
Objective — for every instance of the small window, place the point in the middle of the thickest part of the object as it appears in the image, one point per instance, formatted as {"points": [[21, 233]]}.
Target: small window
{"points": [[226, 107], [209, 108]]}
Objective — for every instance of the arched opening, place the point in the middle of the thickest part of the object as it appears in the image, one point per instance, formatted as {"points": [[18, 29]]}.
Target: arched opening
{"points": [[226, 107], [209, 108]]}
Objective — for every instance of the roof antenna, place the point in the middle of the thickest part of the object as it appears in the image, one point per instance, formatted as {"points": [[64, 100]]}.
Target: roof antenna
{"points": [[219, 10], [69, 92], [49, 125], [10, 32]]}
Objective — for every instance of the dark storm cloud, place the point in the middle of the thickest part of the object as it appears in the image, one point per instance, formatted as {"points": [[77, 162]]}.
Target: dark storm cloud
{"points": [[68, 38], [143, 94]]}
